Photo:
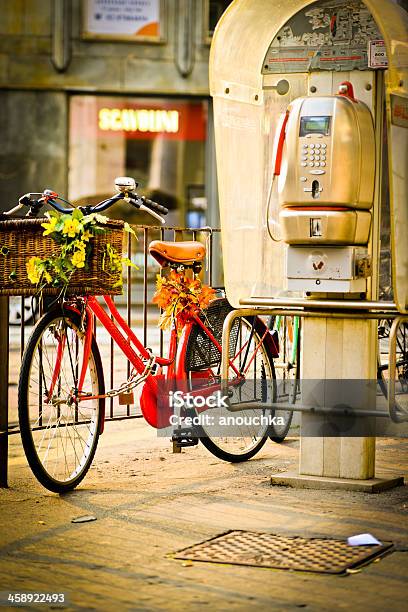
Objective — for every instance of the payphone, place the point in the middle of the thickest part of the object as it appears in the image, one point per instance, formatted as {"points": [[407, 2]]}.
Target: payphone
{"points": [[267, 57], [325, 170]]}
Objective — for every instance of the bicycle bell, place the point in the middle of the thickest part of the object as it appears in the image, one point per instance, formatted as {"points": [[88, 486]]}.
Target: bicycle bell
{"points": [[125, 183]]}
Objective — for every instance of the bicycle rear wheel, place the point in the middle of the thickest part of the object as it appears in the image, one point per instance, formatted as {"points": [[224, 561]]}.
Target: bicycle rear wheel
{"points": [[59, 432], [246, 430]]}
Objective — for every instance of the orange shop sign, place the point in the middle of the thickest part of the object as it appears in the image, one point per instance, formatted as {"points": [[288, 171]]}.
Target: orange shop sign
{"points": [[181, 122]]}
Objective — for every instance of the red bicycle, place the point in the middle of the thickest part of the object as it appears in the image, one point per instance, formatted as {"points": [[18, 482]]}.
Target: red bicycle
{"points": [[62, 391]]}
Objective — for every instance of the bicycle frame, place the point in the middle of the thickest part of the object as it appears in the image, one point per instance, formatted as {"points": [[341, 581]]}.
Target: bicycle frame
{"points": [[62, 368], [135, 352]]}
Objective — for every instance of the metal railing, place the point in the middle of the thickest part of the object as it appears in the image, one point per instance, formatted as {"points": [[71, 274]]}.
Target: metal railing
{"points": [[301, 308], [136, 307]]}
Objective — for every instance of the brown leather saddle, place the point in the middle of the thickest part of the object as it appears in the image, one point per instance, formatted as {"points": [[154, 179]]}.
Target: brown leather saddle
{"points": [[184, 253]]}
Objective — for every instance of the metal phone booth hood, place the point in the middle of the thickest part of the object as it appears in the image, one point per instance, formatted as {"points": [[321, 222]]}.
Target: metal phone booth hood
{"points": [[249, 104]]}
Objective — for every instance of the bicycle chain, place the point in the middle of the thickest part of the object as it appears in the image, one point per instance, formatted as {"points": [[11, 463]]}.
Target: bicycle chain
{"points": [[134, 379]]}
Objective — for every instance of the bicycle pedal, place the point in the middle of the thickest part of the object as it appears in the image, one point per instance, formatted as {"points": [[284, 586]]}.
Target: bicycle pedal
{"points": [[182, 439]]}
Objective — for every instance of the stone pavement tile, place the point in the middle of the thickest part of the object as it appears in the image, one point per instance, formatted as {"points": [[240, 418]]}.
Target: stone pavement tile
{"points": [[162, 584], [149, 502]]}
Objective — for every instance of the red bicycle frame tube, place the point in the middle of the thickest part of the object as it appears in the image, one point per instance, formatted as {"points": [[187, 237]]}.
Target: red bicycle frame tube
{"points": [[119, 338], [87, 349], [123, 341], [124, 337], [131, 336], [181, 357]]}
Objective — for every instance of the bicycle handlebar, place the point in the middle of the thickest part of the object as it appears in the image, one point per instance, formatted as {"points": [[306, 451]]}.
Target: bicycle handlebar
{"points": [[155, 206], [35, 201]]}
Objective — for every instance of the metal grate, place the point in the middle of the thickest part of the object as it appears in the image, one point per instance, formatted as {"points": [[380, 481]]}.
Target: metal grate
{"points": [[290, 553], [201, 351]]}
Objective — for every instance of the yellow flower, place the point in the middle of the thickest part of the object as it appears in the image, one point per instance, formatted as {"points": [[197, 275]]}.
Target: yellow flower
{"points": [[80, 245], [87, 235], [49, 226], [47, 276], [71, 227], [78, 259], [32, 270]]}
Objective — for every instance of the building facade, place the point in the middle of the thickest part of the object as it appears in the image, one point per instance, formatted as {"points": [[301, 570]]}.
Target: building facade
{"points": [[94, 89]]}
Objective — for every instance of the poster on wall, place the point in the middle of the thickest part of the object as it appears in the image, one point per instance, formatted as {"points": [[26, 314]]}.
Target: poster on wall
{"points": [[139, 20]]}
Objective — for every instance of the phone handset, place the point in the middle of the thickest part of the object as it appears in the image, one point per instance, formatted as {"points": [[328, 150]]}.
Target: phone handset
{"points": [[276, 170], [279, 148]]}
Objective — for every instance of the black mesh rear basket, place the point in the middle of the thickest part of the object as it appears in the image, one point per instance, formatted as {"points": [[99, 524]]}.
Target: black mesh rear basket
{"points": [[201, 351]]}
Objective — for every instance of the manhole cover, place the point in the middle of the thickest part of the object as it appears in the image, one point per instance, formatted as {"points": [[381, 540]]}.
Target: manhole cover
{"points": [[289, 553]]}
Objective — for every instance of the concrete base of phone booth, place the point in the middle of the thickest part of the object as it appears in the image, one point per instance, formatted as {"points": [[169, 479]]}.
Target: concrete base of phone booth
{"points": [[303, 481], [343, 350], [337, 347]]}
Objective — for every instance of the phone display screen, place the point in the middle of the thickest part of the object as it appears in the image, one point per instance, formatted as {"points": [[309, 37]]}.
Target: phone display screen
{"points": [[315, 125]]}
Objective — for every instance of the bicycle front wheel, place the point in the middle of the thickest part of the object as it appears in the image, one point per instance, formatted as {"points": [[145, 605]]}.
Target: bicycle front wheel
{"points": [[237, 435], [59, 431]]}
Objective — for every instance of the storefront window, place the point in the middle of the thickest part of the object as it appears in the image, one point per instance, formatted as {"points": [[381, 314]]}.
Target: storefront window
{"points": [[214, 11], [158, 141]]}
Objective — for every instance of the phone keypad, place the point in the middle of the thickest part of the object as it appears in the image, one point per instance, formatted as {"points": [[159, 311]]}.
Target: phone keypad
{"points": [[314, 155]]}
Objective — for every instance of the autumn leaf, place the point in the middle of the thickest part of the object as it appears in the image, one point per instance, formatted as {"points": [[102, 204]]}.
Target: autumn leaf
{"points": [[180, 297]]}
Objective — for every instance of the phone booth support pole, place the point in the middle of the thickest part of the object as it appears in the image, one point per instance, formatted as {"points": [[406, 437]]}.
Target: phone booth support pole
{"points": [[337, 349], [330, 462]]}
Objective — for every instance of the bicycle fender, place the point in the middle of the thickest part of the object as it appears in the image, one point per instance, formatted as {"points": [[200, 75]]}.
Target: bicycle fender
{"points": [[271, 340], [155, 410]]}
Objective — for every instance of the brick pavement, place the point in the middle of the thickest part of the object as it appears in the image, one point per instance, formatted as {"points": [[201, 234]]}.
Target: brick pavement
{"points": [[149, 502]]}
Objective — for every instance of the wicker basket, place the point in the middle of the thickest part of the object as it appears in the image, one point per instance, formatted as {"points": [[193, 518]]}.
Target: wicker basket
{"points": [[20, 239]]}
